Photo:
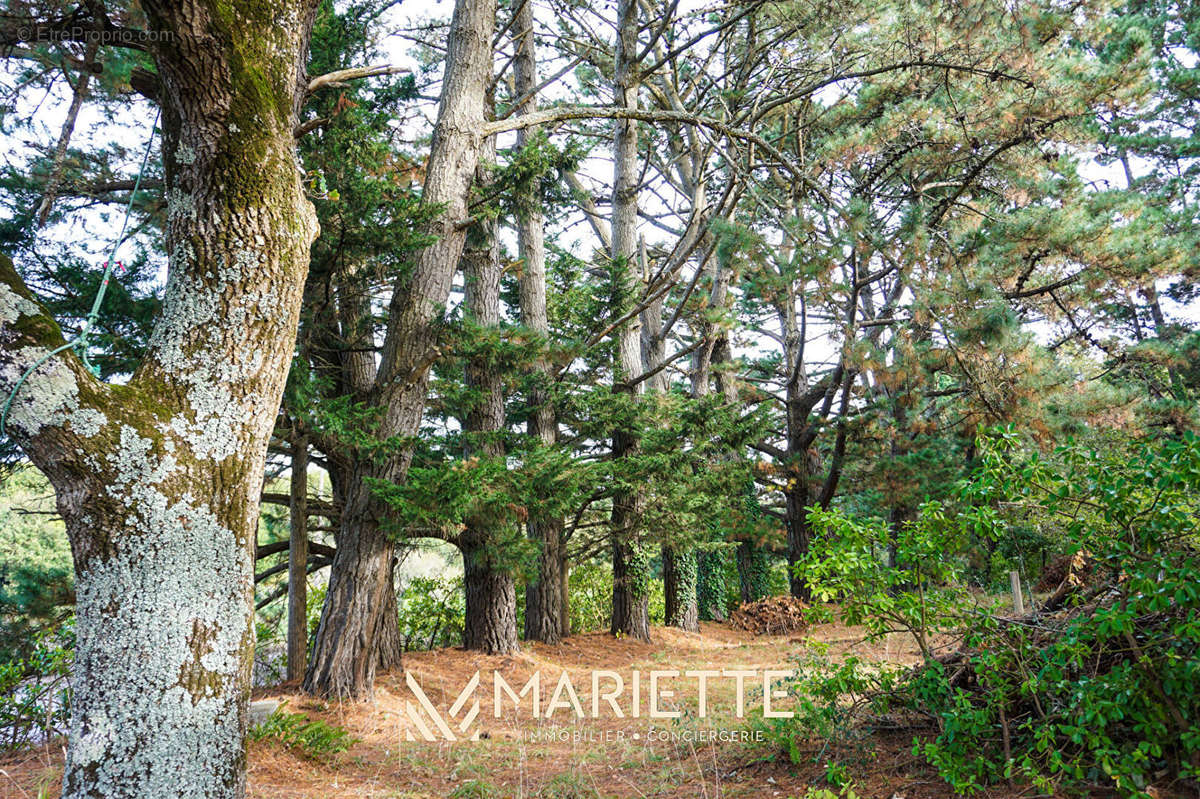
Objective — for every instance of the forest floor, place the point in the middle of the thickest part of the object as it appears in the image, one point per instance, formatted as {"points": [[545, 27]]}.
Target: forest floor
{"points": [[610, 757]]}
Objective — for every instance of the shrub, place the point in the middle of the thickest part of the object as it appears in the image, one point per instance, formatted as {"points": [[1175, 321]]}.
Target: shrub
{"points": [[1099, 689], [35, 692], [316, 739], [1102, 691], [431, 612]]}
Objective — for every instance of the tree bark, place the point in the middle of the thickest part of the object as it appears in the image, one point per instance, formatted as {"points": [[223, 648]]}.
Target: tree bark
{"points": [[349, 635], [58, 160], [359, 628], [631, 615], [297, 597], [752, 565], [158, 481], [491, 617], [490, 621], [711, 584], [543, 594], [631, 590], [565, 599]]}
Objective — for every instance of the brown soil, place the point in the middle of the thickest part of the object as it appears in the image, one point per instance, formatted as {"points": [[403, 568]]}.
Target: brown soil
{"points": [[610, 757]]}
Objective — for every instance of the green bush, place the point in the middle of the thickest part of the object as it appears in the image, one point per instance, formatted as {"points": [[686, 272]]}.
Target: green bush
{"points": [[35, 691], [1104, 692], [431, 612], [316, 739], [591, 597], [36, 574], [1099, 691]]}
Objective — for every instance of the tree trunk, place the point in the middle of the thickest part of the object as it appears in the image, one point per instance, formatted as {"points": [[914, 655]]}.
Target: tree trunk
{"points": [[680, 578], [799, 533], [158, 480], [360, 598], [490, 622], [351, 638], [752, 566], [491, 615], [297, 598], [631, 590], [565, 598], [543, 594], [630, 585], [710, 584], [59, 159]]}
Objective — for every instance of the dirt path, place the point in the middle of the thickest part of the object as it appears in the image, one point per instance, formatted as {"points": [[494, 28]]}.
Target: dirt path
{"points": [[562, 757]]}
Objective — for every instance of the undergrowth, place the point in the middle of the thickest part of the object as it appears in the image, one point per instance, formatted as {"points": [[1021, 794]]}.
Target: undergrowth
{"points": [[316, 739]]}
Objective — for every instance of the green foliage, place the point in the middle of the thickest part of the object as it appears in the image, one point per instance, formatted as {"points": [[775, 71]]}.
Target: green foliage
{"points": [[590, 585], [1099, 694], [431, 612], [474, 789], [36, 574], [921, 595], [828, 699], [713, 583], [1107, 694], [35, 690], [316, 739]]}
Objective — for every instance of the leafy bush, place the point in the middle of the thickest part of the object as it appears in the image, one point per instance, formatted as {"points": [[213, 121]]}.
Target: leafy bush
{"points": [[36, 574], [431, 612], [591, 597], [921, 595], [1099, 689], [828, 700], [35, 692], [316, 739], [1102, 692]]}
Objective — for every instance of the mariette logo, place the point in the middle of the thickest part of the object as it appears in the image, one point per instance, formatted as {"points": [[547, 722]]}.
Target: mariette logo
{"points": [[653, 693]]}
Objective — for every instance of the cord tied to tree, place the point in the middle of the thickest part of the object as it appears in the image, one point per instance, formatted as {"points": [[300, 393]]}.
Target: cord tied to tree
{"points": [[80, 342]]}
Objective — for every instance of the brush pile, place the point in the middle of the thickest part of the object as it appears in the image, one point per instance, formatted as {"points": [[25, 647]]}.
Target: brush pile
{"points": [[1101, 676], [775, 615]]}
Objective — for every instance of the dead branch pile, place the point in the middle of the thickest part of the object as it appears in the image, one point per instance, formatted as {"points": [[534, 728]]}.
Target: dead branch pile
{"points": [[1076, 569], [775, 615]]}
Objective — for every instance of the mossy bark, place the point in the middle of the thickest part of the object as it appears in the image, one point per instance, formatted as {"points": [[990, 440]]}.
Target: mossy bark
{"points": [[158, 480]]}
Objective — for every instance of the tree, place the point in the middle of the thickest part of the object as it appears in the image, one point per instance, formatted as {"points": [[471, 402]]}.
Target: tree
{"points": [[546, 617], [360, 594], [158, 480]]}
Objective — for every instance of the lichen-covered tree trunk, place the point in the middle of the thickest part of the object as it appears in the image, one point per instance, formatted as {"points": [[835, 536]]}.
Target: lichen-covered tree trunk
{"points": [[543, 594], [158, 481], [349, 630]]}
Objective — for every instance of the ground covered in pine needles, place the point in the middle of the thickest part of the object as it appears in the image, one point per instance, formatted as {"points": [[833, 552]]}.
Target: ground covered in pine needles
{"points": [[379, 762]]}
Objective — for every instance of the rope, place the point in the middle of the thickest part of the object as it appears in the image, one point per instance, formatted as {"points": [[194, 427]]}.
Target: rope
{"points": [[80, 342]]}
